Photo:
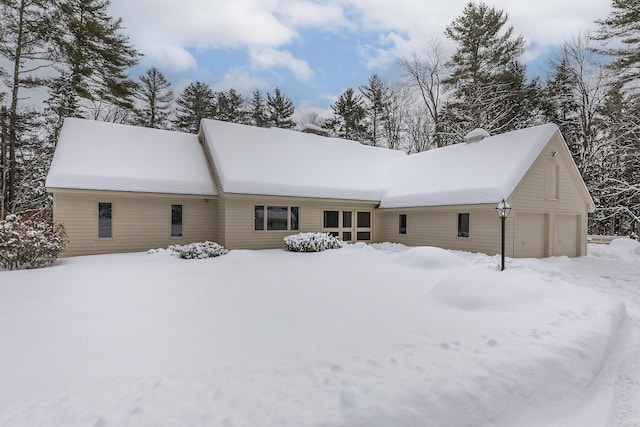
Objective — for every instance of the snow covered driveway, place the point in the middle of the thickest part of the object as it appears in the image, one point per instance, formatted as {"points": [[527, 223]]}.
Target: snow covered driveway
{"points": [[352, 337]]}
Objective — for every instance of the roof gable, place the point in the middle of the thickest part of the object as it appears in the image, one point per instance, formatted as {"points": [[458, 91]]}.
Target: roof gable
{"points": [[279, 162], [95, 155]]}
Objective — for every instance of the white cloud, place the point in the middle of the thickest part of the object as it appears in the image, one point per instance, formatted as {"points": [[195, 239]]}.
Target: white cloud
{"points": [[242, 81], [168, 32], [266, 58]]}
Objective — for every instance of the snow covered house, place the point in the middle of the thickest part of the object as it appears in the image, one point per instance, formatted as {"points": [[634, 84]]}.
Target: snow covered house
{"points": [[120, 188]]}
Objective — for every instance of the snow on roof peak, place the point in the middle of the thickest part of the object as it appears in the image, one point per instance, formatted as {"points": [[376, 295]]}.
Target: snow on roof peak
{"points": [[94, 155]]}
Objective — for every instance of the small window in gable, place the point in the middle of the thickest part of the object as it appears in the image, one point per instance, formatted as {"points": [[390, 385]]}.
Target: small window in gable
{"points": [[463, 225], [553, 180]]}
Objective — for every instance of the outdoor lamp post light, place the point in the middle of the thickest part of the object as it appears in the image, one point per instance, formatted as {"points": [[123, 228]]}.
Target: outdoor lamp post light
{"points": [[503, 210]]}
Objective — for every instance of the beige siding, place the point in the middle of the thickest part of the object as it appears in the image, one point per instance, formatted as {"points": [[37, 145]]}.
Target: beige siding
{"points": [[534, 194], [139, 221], [240, 231], [530, 234], [550, 192], [438, 226], [565, 235]]}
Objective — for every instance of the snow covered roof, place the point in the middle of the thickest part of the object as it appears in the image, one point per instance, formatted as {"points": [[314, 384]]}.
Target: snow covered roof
{"points": [[270, 161], [95, 155], [253, 160], [469, 173]]}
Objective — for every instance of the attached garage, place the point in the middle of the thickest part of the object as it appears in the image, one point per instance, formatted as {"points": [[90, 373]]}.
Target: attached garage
{"points": [[565, 235], [529, 237]]}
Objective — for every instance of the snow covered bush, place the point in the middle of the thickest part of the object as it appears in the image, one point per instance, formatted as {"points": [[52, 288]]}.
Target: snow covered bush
{"points": [[311, 242], [29, 242], [200, 250]]}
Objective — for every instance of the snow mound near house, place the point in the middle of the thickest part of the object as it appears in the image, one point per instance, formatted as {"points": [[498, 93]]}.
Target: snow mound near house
{"points": [[429, 257], [487, 289], [625, 248]]}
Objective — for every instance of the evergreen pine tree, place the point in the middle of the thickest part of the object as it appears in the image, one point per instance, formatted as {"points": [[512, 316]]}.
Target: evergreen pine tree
{"points": [[25, 28], [155, 95], [194, 104], [376, 96], [348, 116], [622, 26], [94, 54], [280, 110], [486, 79], [258, 110], [60, 104], [230, 107]]}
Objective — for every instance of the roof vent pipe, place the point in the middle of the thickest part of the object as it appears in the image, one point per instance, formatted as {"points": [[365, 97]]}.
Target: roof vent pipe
{"points": [[476, 135]]}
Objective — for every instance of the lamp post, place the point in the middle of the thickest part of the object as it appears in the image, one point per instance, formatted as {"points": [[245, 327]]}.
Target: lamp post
{"points": [[503, 209]]}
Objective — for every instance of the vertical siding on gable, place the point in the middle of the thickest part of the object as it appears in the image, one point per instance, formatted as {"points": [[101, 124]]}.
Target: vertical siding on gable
{"points": [[139, 222]]}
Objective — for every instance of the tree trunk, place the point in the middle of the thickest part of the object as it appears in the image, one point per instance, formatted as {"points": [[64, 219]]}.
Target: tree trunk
{"points": [[3, 163], [13, 113]]}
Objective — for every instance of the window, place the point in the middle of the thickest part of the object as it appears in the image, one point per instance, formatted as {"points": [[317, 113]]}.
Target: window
{"points": [[552, 180], [463, 225], [364, 220], [363, 235], [331, 219], [276, 218], [294, 217], [346, 219], [258, 217], [347, 224], [402, 226], [104, 219], [176, 220]]}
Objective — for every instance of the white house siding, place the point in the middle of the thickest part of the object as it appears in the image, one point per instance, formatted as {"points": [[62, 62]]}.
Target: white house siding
{"points": [[438, 226], [140, 221], [531, 197], [239, 214]]}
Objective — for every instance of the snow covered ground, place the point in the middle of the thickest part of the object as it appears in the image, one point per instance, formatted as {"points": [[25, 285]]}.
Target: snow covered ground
{"points": [[379, 335]]}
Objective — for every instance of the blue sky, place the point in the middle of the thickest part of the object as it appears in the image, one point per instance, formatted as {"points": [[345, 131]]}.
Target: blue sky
{"points": [[314, 49]]}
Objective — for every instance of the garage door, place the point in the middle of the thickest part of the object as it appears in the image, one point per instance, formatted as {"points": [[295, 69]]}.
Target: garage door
{"points": [[565, 235], [529, 235]]}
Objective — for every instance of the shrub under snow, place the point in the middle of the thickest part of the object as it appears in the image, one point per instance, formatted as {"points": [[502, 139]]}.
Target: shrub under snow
{"points": [[29, 242], [311, 242], [200, 250]]}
